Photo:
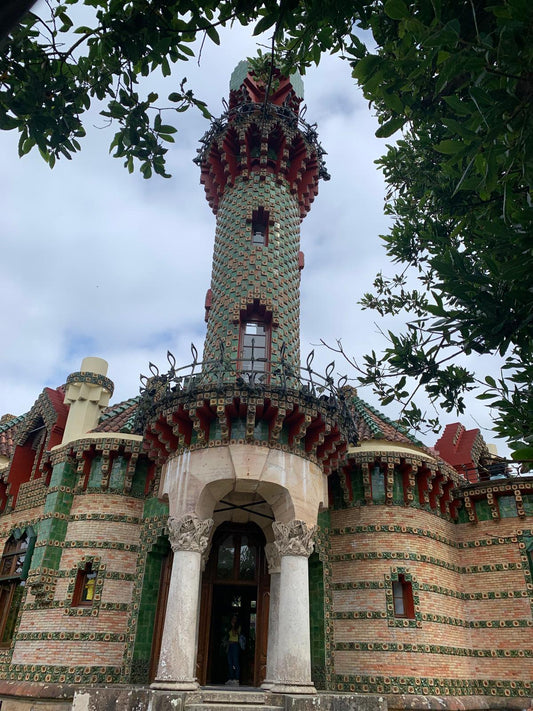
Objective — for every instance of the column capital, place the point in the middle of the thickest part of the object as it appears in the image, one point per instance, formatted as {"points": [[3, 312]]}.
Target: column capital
{"points": [[273, 558], [294, 538], [189, 533]]}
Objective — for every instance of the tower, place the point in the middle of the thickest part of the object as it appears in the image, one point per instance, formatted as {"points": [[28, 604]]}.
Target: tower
{"points": [[244, 444], [260, 166]]}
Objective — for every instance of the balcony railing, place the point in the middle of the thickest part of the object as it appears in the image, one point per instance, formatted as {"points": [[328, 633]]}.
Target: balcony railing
{"points": [[253, 374]]}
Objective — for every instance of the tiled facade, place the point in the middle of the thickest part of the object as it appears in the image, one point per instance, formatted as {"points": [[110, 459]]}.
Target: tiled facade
{"points": [[265, 274]]}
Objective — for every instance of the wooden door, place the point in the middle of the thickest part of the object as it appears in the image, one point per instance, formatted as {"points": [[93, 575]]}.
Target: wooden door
{"points": [[235, 580]]}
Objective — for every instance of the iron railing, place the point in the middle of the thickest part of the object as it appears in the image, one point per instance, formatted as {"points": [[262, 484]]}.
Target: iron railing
{"points": [[255, 375], [268, 111]]}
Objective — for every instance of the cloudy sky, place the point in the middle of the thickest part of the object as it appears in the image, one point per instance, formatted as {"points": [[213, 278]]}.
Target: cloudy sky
{"points": [[99, 262]]}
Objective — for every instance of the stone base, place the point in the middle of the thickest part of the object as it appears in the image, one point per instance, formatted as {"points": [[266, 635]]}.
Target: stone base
{"points": [[288, 688], [17, 696], [184, 685]]}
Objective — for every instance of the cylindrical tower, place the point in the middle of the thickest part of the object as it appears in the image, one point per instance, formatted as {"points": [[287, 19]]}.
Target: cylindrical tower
{"points": [[260, 168], [248, 441]]}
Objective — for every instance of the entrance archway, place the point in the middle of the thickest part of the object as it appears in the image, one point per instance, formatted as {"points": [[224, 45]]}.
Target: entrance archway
{"points": [[235, 581]]}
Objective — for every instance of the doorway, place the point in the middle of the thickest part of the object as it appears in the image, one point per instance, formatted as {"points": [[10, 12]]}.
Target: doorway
{"points": [[235, 582], [228, 601]]}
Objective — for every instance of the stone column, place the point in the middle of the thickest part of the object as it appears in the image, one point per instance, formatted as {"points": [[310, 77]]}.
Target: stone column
{"points": [[274, 568], [293, 674], [189, 537]]}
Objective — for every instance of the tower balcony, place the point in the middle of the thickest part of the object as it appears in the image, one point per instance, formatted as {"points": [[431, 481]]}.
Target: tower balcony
{"points": [[254, 401], [263, 138]]}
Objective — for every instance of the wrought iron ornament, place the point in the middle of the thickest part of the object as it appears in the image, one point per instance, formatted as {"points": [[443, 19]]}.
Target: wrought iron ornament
{"points": [[255, 375]]}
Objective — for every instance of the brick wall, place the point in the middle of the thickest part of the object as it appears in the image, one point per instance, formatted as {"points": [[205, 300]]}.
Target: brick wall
{"points": [[472, 630]]}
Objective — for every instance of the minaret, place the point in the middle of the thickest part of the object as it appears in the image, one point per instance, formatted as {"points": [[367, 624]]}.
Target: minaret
{"points": [[248, 434], [260, 169]]}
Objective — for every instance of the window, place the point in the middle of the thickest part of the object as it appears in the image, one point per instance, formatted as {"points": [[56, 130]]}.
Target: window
{"points": [[13, 568], [237, 558], [12, 561], [377, 479], [84, 587], [254, 351], [260, 226], [402, 597]]}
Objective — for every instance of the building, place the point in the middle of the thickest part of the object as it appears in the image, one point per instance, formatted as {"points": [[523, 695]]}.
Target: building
{"points": [[357, 560]]}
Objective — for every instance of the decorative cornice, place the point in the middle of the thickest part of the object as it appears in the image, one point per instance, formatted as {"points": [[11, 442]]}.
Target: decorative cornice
{"points": [[303, 424], [91, 379], [127, 444]]}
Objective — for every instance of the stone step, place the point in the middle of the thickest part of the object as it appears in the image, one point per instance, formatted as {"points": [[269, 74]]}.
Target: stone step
{"points": [[224, 699], [229, 694], [236, 705]]}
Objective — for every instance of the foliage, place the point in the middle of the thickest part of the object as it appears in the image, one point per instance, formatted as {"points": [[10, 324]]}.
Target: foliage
{"points": [[455, 75], [458, 77], [85, 51]]}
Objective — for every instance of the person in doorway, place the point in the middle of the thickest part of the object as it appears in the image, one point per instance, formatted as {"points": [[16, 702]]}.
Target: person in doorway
{"points": [[234, 669]]}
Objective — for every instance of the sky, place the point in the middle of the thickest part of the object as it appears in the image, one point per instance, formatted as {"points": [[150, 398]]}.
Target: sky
{"points": [[97, 262]]}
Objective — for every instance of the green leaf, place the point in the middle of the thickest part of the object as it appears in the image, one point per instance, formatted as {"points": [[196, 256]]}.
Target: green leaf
{"points": [[165, 128], [390, 127], [264, 24], [212, 34], [449, 147], [396, 9], [366, 67], [7, 123], [393, 102], [525, 453]]}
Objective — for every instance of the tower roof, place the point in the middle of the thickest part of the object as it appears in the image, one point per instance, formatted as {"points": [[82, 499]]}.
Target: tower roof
{"points": [[262, 133], [244, 68], [372, 424]]}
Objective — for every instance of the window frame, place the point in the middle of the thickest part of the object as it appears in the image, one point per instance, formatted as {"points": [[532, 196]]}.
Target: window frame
{"points": [[402, 590], [84, 575], [259, 227], [18, 550], [411, 616], [250, 365]]}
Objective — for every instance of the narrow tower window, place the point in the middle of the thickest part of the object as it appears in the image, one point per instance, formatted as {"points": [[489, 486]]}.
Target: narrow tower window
{"points": [[260, 226], [402, 594], [84, 587], [254, 352]]}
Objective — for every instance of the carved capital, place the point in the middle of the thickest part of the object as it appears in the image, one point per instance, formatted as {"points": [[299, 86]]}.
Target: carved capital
{"points": [[189, 533], [273, 558], [294, 538]]}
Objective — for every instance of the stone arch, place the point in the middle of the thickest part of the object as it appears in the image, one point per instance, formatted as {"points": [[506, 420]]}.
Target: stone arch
{"points": [[292, 486], [277, 497]]}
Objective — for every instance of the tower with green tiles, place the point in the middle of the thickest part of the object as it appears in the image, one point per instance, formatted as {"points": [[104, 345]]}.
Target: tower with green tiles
{"points": [[260, 168]]}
